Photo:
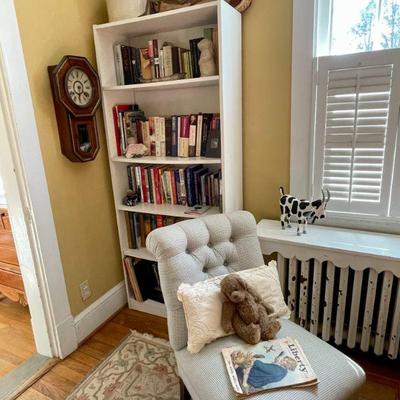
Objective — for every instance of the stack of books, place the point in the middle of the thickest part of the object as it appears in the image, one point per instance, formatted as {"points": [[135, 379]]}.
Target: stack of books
{"points": [[140, 225], [144, 280], [195, 135], [195, 185], [160, 60]]}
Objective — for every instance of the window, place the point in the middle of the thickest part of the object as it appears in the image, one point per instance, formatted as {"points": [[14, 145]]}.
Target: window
{"points": [[354, 96]]}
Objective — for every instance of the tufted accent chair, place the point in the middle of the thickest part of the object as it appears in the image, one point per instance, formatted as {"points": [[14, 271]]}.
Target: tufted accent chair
{"points": [[197, 249]]}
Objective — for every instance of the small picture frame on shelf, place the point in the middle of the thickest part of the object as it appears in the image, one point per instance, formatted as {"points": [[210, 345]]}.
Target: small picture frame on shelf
{"points": [[213, 149]]}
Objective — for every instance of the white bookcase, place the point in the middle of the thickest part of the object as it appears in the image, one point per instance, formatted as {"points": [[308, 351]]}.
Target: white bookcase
{"points": [[217, 94]]}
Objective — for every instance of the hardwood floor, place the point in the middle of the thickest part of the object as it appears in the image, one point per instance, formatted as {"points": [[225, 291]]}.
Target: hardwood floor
{"points": [[383, 380], [62, 378], [16, 338]]}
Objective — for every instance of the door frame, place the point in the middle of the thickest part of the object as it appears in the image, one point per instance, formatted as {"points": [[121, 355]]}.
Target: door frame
{"points": [[22, 171]]}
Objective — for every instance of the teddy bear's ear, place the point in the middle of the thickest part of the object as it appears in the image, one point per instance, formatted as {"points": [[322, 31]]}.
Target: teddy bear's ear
{"points": [[242, 283]]}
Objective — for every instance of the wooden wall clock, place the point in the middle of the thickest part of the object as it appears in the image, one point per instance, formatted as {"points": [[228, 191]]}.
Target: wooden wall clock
{"points": [[76, 95]]}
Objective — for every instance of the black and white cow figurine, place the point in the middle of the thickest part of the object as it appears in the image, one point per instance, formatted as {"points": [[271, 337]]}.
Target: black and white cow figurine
{"points": [[305, 210]]}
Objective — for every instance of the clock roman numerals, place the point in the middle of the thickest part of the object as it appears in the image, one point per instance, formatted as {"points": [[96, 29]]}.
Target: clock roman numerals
{"points": [[79, 87]]}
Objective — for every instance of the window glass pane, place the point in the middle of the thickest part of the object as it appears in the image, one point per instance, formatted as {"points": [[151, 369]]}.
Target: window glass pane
{"points": [[390, 24], [364, 25], [353, 25]]}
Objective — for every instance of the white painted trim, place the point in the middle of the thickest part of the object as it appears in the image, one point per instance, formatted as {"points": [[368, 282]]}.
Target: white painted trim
{"points": [[28, 199], [97, 313], [302, 97]]}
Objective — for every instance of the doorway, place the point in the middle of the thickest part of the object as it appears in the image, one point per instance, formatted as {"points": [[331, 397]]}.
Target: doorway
{"points": [[28, 202]]}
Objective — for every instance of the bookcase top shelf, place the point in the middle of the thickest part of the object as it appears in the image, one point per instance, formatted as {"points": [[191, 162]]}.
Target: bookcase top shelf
{"points": [[176, 84], [171, 210], [183, 18], [168, 160]]}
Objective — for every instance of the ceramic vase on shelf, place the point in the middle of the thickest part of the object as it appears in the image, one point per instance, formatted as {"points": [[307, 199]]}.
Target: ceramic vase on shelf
{"points": [[124, 9]]}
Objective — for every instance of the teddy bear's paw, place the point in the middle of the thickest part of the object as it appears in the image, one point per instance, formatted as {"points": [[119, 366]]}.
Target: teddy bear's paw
{"points": [[273, 328], [254, 333]]}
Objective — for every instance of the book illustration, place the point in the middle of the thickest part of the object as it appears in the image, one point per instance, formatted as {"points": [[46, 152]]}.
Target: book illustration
{"points": [[268, 365]]}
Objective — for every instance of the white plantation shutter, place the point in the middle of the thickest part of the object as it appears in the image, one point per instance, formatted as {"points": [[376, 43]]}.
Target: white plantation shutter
{"points": [[356, 130]]}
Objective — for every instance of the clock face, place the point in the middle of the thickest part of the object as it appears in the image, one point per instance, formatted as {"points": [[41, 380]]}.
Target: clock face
{"points": [[79, 87]]}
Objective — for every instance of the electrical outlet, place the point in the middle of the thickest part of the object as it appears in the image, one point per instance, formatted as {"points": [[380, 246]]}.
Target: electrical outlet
{"points": [[85, 290]]}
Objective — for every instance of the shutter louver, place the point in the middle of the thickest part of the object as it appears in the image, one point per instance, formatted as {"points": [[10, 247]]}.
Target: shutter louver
{"points": [[355, 137]]}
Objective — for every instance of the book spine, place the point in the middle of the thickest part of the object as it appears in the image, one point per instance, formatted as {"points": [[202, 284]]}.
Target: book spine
{"points": [[130, 181], [152, 137], [157, 129], [150, 185], [127, 64], [137, 229], [168, 137], [182, 186], [156, 59], [189, 191], [184, 136], [118, 64], [128, 230], [192, 136], [138, 184], [175, 60], [168, 63], [198, 134], [156, 177], [162, 137], [194, 52], [117, 131], [142, 231], [204, 134], [174, 136], [151, 58], [133, 233], [159, 221], [178, 186], [144, 188], [161, 58], [173, 187], [121, 126]]}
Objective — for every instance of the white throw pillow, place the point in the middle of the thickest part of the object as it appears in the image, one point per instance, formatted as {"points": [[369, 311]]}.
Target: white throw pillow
{"points": [[202, 303]]}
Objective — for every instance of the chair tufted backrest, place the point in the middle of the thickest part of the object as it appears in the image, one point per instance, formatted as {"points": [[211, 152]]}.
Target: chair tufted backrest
{"points": [[198, 249]]}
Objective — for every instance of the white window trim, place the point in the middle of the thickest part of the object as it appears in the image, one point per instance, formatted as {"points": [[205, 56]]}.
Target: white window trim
{"points": [[305, 29]]}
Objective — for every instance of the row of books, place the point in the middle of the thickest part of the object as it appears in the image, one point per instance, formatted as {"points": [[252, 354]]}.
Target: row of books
{"points": [[191, 186], [143, 279], [159, 60], [195, 135], [140, 225]]}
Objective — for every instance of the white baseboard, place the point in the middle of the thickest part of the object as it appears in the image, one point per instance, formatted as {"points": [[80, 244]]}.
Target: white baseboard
{"points": [[97, 313]]}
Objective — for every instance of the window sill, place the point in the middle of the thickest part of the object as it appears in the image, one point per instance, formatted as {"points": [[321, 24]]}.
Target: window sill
{"points": [[362, 246]]}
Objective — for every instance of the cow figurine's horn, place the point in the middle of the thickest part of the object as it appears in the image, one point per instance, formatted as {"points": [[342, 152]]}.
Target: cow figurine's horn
{"points": [[323, 195], [329, 195]]}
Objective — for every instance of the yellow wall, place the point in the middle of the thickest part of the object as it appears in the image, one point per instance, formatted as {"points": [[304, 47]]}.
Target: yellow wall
{"points": [[80, 193], [267, 32]]}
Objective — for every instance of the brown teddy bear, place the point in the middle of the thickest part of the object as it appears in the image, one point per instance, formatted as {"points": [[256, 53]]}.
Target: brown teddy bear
{"points": [[244, 313]]}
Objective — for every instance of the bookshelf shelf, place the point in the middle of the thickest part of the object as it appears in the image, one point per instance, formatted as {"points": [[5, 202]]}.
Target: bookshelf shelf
{"points": [[220, 94], [183, 18], [149, 307], [168, 160], [177, 84], [142, 253], [171, 210]]}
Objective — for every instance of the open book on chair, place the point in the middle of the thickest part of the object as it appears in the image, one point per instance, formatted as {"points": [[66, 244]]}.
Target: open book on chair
{"points": [[268, 365]]}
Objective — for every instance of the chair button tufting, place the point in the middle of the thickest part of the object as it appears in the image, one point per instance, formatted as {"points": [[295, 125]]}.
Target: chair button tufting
{"points": [[209, 244], [225, 263], [187, 251], [231, 239]]}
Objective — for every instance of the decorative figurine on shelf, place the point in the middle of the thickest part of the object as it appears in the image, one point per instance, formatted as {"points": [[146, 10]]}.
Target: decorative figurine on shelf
{"points": [[136, 150], [207, 60], [131, 199], [305, 210]]}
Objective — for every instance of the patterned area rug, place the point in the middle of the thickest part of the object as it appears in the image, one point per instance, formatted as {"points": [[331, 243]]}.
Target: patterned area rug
{"points": [[141, 367]]}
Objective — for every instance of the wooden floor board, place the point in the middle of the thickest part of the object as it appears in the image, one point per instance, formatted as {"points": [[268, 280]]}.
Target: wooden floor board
{"points": [[15, 329]]}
